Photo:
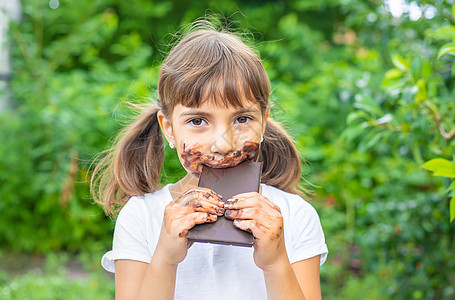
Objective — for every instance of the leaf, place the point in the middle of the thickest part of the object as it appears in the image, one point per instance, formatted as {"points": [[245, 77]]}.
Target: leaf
{"points": [[370, 142], [447, 48], [426, 69], [386, 136], [432, 88], [416, 152], [400, 63], [443, 32], [353, 131], [393, 74], [392, 85], [440, 167], [416, 68], [451, 187], [355, 116], [452, 208], [369, 105], [421, 91]]}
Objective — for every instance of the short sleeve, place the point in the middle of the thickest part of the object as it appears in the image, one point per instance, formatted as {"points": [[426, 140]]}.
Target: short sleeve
{"points": [[130, 236], [307, 237]]}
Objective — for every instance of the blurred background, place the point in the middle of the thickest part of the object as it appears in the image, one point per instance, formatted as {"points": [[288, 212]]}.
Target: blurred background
{"points": [[365, 87]]}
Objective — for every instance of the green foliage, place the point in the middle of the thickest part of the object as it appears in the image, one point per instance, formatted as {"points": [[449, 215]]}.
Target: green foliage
{"points": [[398, 213], [36, 285], [61, 276], [55, 283], [440, 167], [443, 167], [63, 91], [370, 287], [367, 97], [420, 88]]}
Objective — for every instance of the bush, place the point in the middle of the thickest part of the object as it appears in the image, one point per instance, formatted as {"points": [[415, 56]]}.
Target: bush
{"points": [[54, 281], [37, 286], [367, 97]]}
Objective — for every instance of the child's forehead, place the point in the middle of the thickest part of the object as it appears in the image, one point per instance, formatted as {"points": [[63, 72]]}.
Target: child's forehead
{"points": [[215, 102], [211, 105]]}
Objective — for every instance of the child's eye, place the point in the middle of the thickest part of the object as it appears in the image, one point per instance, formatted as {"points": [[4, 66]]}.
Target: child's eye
{"points": [[197, 121], [243, 119]]}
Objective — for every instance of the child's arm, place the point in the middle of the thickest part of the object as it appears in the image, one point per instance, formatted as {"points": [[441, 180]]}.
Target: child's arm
{"points": [[137, 280], [131, 275], [255, 213], [281, 280], [308, 275]]}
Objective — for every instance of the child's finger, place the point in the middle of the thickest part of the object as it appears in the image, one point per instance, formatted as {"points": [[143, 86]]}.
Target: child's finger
{"points": [[193, 219], [244, 213], [250, 213], [200, 205], [259, 231], [269, 222], [261, 197], [200, 193], [253, 199], [201, 200], [195, 200], [251, 226]]}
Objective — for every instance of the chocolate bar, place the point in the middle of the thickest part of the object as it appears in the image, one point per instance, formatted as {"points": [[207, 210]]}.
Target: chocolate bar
{"points": [[227, 182]]}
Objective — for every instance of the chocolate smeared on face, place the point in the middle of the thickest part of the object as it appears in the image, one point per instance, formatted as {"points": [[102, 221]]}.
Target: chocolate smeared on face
{"points": [[250, 147], [193, 158]]}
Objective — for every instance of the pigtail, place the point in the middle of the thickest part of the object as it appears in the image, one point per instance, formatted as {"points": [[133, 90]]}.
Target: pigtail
{"points": [[281, 163], [133, 165]]}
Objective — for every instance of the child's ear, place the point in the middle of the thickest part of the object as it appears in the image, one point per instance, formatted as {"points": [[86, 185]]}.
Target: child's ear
{"points": [[166, 126]]}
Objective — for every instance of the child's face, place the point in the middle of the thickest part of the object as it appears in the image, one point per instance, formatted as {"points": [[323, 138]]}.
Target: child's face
{"points": [[214, 135]]}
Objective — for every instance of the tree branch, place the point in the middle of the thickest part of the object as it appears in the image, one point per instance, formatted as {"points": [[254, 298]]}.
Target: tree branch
{"points": [[437, 118]]}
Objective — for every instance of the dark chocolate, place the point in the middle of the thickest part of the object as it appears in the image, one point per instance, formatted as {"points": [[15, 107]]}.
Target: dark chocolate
{"points": [[227, 182]]}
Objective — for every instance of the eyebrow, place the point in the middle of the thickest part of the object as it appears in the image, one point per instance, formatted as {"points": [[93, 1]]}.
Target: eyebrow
{"points": [[195, 112]]}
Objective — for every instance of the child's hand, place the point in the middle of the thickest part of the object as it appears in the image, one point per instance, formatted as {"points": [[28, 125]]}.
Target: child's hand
{"points": [[258, 215], [195, 206]]}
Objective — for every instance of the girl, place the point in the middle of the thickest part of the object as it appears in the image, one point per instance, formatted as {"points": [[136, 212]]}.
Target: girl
{"points": [[213, 109]]}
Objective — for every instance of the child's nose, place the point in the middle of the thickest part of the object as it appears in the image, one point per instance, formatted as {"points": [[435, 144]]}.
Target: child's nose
{"points": [[222, 144]]}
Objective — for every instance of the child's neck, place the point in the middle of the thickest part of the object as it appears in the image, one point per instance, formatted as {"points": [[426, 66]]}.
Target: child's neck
{"points": [[184, 184]]}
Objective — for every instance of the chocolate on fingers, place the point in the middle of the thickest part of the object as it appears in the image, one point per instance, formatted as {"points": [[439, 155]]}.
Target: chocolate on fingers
{"points": [[201, 200]]}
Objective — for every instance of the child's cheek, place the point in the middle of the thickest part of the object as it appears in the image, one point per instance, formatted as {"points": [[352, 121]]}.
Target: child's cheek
{"points": [[250, 149], [191, 157]]}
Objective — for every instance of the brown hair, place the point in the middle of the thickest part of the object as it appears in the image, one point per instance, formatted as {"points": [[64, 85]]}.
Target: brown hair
{"points": [[205, 62]]}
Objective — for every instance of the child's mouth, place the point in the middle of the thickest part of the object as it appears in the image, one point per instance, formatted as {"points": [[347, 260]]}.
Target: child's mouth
{"points": [[226, 162], [193, 159], [248, 151]]}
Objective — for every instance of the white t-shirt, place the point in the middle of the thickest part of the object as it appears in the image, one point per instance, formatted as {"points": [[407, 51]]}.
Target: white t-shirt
{"points": [[211, 270]]}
